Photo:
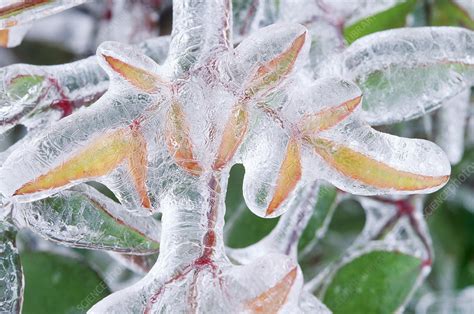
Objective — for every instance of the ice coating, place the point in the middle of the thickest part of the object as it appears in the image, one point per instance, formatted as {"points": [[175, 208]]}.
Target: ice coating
{"points": [[127, 21], [438, 62], [14, 12], [37, 95], [449, 135], [11, 274], [283, 239], [357, 143], [202, 276], [16, 17], [83, 217], [163, 138]]}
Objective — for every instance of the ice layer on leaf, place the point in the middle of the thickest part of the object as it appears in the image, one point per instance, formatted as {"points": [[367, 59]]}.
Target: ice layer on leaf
{"points": [[15, 12], [361, 160], [70, 153], [264, 58], [84, 218], [405, 73]]}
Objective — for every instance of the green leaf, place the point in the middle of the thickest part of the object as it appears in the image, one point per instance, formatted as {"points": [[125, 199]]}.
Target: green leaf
{"points": [[448, 13], [391, 18], [242, 227], [27, 86], [323, 210], [376, 282], [59, 284], [82, 217]]}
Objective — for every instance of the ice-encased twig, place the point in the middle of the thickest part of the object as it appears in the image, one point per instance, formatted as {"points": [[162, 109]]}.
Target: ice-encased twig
{"points": [[451, 120], [200, 28], [284, 237]]}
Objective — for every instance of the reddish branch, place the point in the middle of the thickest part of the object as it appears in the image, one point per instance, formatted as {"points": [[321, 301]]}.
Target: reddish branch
{"points": [[405, 209]]}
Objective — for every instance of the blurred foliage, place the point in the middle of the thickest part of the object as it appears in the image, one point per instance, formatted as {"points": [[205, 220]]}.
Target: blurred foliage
{"points": [[377, 282], [59, 284], [392, 18]]}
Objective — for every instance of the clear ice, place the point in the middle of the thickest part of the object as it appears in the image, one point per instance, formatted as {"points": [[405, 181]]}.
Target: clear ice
{"points": [[161, 128]]}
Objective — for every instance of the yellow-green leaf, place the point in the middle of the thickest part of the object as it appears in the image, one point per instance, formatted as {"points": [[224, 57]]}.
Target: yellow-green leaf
{"points": [[369, 171], [178, 141], [234, 133], [288, 177]]}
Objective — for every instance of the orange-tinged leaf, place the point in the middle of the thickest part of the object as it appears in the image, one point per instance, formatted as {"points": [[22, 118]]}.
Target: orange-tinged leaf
{"points": [[371, 172], [138, 164], [271, 73], [288, 176], [99, 158], [232, 137], [328, 118], [273, 299], [20, 6], [178, 141], [4, 34], [140, 78]]}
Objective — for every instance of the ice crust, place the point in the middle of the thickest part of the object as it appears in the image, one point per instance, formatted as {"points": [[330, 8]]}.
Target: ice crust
{"points": [[174, 107]]}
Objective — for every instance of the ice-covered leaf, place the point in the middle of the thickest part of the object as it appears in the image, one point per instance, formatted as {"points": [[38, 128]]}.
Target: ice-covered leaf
{"points": [[16, 12], [178, 140], [11, 274], [98, 158], [59, 284], [274, 168], [404, 73], [261, 63], [83, 217], [288, 176], [141, 72], [232, 137], [375, 163], [375, 282]]}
